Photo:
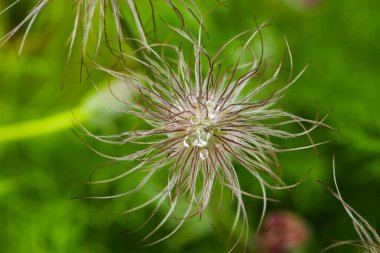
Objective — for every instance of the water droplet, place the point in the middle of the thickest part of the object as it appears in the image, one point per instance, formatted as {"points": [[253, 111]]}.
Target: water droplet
{"points": [[195, 142], [203, 154], [185, 141], [210, 105], [197, 138], [201, 138]]}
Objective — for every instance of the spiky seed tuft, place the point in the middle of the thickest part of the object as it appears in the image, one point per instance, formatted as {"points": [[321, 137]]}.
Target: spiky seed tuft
{"points": [[206, 116]]}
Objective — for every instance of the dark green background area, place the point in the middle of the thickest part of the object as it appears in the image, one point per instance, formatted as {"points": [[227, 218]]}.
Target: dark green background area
{"points": [[40, 175]]}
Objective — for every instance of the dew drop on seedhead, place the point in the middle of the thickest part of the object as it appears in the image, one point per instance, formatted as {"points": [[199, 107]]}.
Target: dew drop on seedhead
{"points": [[185, 141], [198, 138], [210, 105], [203, 154]]}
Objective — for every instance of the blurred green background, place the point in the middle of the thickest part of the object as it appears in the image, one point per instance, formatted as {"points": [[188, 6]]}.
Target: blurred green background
{"points": [[43, 164]]}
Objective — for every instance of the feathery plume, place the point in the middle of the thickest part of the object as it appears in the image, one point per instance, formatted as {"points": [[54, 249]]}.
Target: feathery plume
{"points": [[369, 240], [90, 12], [207, 118], [85, 12]]}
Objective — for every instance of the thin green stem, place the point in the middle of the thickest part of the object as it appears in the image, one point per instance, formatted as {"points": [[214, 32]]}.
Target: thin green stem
{"points": [[40, 127]]}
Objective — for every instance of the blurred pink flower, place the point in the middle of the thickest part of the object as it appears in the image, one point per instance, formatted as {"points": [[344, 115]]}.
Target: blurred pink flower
{"points": [[282, 231]]}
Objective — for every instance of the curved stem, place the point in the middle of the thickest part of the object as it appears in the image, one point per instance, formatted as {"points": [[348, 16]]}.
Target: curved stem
{"points": [[40, 127]]}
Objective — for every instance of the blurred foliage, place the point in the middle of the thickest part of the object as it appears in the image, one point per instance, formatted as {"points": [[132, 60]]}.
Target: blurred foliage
{"points": [[40, 172]]}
